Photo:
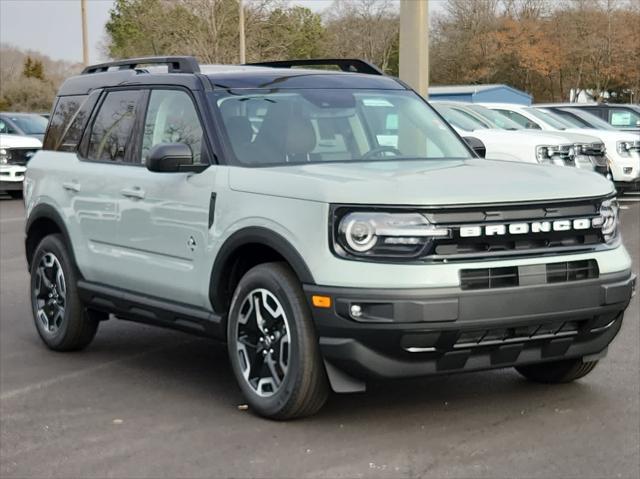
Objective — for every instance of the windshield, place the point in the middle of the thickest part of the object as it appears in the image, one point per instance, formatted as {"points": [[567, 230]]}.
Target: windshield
{"points": [[318, 126], [30, 124], [548, 118], [496, 118], [459, 120]]}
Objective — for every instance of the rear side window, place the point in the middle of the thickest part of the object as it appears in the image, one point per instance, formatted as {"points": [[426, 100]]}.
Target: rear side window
{"points": [[110, 136], [64, 112]]}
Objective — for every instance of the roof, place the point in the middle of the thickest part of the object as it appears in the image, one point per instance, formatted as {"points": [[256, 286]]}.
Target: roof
{"points": [[229, 76], [464, 89]]}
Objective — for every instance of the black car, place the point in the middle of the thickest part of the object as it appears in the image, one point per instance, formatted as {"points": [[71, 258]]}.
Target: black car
{"points": [[26, 124]]}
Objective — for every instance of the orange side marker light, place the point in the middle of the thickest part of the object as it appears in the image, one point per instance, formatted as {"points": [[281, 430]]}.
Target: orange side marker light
{"points": [[321, 301]]}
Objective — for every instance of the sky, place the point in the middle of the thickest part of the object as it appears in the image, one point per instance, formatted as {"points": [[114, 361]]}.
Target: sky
{"points": [[53, 27]]}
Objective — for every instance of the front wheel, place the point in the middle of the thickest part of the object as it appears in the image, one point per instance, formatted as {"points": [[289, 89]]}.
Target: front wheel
{"points": [[554, 372], [273, 346], [60, 318]]}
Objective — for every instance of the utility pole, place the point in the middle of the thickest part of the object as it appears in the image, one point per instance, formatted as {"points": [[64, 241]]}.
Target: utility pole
{"points": [[85, 39], [414, 44], [241, 28]]}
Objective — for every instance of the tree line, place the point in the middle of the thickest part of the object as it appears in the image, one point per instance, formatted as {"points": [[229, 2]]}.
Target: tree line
{"points": [[548, 48]]}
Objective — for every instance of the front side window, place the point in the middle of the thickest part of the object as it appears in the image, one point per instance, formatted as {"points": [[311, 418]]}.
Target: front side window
{"points": [[520, 119], [172, 118], [319, 126], [112, 128]]}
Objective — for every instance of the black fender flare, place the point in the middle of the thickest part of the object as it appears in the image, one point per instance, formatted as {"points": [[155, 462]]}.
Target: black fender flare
{"points": [[45, 211], [257, 235]]}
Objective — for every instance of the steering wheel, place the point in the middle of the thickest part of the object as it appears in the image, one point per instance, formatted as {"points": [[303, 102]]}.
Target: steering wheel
{"points": [[381, 149]]}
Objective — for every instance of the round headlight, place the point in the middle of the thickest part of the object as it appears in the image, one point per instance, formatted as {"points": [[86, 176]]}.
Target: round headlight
{"points": [[360, 234], [608, 219]]}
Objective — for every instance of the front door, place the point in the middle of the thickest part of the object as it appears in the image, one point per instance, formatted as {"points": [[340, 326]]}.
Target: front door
{"points": [[164, 217]]}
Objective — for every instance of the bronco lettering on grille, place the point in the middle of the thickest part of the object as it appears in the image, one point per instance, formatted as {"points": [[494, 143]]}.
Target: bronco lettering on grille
{"points": [[529, 227]]}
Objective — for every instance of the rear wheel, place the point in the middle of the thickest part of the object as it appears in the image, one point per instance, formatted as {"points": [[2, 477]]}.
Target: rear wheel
{"points": [[273, 347], [563, 371], [60, 318]]}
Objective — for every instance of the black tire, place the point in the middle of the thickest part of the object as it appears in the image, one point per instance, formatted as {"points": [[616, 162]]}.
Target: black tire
{"points": [[75, 327], [304, 388], [15, 194], [556, 372]]}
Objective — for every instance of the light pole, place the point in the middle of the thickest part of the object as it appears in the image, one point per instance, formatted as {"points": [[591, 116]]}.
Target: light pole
{"points": [[414, 44], [85, 39], [241, 28]]}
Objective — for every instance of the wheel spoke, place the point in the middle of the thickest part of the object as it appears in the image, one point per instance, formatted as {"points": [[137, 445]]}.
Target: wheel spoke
{"points": [[49, 294], [262, 341]]}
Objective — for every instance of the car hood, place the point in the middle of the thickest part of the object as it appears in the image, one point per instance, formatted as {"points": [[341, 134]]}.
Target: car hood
{"points": [[424, 182], [575, 137], [608, 135], [18, 141], [520, 137]]}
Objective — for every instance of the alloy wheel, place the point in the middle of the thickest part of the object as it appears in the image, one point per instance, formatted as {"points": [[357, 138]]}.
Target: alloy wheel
{"points": [[263, 342], [49, 294]]}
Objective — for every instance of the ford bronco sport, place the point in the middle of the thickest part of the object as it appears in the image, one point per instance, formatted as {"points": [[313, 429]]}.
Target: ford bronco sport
{"points": [[330, 226]]}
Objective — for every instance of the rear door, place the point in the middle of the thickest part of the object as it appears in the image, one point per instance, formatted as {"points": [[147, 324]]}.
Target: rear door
{"points": [[164, 217], [96, 184]]}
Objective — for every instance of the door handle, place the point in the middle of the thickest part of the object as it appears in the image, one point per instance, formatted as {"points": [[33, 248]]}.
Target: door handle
{"points": [[71, 186], [136, 193]]}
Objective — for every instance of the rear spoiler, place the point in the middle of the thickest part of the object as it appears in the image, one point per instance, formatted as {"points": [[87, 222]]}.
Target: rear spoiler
{"points": [[353, 65]]}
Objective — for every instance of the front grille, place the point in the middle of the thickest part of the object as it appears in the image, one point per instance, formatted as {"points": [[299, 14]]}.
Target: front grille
{"points": [[492, 337], [508, 244], [593, 149], [572, 271], [488, 278], [20, 156], [505, 277]]}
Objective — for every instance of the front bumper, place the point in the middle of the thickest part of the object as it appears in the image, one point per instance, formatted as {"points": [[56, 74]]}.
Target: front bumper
{"points": [[11, 177], [409, 333]]}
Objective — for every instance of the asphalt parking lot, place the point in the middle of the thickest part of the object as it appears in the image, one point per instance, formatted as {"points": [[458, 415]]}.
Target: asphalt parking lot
{"points": [[145, 402]]}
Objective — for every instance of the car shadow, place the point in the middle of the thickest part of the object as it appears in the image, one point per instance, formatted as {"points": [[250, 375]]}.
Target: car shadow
{"points": [[199, 369]]}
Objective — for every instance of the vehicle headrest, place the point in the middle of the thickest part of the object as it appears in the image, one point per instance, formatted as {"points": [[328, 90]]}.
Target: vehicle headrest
{"points": [[239, 130], [301, 137]]}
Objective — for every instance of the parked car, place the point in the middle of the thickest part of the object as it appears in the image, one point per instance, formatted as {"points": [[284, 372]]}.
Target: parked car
{"points": [[622, 116], [622, 148], [587, 152], [354, 236], [503, 145], [15, 153], [26, 124]]}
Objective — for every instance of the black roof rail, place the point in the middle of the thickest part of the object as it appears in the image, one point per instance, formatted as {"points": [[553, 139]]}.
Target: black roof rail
{"points": [[354, 65], [176, 64]]}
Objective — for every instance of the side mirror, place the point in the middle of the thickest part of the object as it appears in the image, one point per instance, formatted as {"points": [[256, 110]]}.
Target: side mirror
{"points": [[476, 145], [169, 158]]}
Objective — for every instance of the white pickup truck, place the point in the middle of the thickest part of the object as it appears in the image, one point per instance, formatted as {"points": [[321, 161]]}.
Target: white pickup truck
{"points": [[517, 145], [15, 152], [622, 148]]}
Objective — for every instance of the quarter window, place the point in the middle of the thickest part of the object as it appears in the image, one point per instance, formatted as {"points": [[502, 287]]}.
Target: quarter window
{"points": [[63, 114], [113, 126], [172, 118]]}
